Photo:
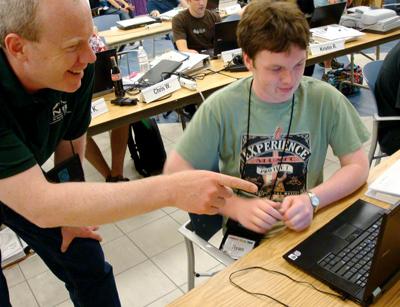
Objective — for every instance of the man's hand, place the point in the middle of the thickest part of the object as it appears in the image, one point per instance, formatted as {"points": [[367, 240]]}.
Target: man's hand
{"points": [[297, 212], [70, 233], [257, 214], [204, 192], [155, 13]]}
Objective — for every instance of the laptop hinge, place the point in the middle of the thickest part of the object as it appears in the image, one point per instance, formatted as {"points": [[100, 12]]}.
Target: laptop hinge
{"points": [[379, 291]]}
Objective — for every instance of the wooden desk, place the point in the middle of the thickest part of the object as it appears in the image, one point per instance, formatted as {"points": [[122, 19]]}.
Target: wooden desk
{"points": [[218, 291], [118, 38], [120, 116]]}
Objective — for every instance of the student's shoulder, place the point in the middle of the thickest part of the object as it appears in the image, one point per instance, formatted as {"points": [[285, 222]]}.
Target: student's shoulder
{"points": [[213, 15]]}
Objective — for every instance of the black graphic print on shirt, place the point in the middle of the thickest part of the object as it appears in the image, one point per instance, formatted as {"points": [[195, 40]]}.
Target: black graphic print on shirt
{"points": [[262, 160]]}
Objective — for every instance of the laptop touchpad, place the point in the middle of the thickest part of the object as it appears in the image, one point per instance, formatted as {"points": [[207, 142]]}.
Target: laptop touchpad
{"points": [[344, 231]]}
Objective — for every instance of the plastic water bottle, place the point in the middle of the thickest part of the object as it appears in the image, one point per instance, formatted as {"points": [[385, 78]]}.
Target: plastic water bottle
{"points": [[143, 60], [116, 77]]}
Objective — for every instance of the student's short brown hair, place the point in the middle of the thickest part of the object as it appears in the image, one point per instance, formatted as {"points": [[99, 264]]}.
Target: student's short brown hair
{"points": [[272, 26]]}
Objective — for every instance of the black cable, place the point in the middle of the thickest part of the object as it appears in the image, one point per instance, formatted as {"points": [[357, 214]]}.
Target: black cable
{"points": [[279, 273]]}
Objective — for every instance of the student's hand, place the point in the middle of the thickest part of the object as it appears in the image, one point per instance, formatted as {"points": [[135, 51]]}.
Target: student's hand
{"points": [[155, 13], [258, 214], [70, 233], [297, 212], [204, 192], [332, 1]]}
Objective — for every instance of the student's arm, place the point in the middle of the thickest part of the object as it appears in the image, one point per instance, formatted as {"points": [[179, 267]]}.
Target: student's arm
{"points": [[182, 46], [256, 214], [183, 4], [297, 211]]}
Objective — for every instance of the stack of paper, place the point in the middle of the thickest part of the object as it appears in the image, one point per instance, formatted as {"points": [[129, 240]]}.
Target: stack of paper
{"points": [[170, 14], [335, 32], [387, 186], [195, 63], [11, 246]]}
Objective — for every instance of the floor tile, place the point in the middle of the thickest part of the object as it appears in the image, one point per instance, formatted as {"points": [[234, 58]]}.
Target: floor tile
{"points": [[142, 285], [157, 236], [136, 222], [48, 289], [128, 254], [167, 299], [22, 296], [13, 276], [109, 233], [33, 266]]}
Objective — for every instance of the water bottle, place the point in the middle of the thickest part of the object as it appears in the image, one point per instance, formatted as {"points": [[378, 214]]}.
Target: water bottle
{"points": [[143, 61], [116, 76]]}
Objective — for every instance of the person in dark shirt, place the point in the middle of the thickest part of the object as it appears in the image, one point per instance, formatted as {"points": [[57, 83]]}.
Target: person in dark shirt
{"points": [[45, 100], [157, 7], [387, 93]]}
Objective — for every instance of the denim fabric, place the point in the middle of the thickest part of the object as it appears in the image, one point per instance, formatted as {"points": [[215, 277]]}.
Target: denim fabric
{"points": [[88, 278], [122, 14]]}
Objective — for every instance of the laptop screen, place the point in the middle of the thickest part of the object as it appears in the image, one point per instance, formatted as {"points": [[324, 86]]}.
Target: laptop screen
{"points": [[102, 73], [225, 36], [212, 4], [327, 15]]}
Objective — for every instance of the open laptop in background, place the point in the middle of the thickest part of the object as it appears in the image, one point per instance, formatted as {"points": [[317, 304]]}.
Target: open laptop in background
{"points": [[102, 73], [224, 38], [327, 15], [356, 253]]}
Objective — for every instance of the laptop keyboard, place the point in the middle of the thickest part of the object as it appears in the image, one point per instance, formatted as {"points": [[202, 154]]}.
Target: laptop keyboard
{"points": [[354, 261]]}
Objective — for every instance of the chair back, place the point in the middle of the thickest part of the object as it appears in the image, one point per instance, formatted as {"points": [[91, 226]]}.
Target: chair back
{"points": [[105, 22], [371, 71], [232, 17]]}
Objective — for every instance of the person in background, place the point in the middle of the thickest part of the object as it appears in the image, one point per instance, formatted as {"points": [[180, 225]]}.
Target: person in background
{"points": [[118, 141], [387, 93], [157, 7], [193, 29], [45, 100], [274, 129], [118, 7]]}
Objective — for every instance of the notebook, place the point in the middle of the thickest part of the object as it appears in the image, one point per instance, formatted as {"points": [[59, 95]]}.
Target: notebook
{"points": [[159, 72], [362, 235], [102, 73], [224, 38], [136, 22], [327, 15]]}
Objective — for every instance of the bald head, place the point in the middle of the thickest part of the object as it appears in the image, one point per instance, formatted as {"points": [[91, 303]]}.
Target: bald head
{"points": [[29, 18]]}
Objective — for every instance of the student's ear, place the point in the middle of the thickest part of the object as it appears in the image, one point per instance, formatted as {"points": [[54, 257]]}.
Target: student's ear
{"points": [[16, 46], [247, 61]]}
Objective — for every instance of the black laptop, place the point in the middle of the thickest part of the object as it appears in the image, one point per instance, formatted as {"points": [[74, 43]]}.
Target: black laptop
{"points": [[161, 71], [103, 83], [356, 253], [327, 15], [224, 38]]}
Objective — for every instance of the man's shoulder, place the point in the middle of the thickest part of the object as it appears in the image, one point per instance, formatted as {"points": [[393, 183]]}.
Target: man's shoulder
{"points": [[211, 14]]}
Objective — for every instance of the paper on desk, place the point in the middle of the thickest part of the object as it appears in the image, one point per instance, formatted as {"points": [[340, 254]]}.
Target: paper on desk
{"points": [[334, 32], [170, 14], [387, 186], [195, 63]]}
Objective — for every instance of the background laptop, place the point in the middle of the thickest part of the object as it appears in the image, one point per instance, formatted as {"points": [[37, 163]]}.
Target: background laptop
{"points": [[159, 72], [102, 73], [327, 15], [224, 38], [329, 253]]}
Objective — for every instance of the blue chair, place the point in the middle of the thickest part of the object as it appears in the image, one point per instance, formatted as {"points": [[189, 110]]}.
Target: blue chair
{"points": [[198, 230], [232, 17], [371, 71], [105, 22]]}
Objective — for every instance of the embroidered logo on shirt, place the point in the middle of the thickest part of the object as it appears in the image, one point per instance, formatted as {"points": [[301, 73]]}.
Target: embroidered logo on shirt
{"points": [[265, 164], [60, 109]]}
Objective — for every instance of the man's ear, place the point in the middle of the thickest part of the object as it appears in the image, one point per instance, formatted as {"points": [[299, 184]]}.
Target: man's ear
{"points": [[16, 46], [247, 61]]}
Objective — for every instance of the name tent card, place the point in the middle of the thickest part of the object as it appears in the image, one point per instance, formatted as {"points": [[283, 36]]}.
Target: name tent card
{"points": [[160, 89]]}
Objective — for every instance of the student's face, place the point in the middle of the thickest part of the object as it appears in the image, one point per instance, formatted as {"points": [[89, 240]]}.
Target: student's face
{"points": [[198, 7], [277, 75], [57, 61]]}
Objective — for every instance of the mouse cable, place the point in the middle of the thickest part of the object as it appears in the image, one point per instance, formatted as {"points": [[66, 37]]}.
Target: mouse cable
{"points": [[279, 273]]}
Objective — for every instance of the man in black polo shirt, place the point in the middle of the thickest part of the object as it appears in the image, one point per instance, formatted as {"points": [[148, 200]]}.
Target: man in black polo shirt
{"points": [[45, 99]]}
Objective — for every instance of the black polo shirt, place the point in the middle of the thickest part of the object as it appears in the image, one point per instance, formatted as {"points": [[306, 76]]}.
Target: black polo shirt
{"points": [[31, 127]]}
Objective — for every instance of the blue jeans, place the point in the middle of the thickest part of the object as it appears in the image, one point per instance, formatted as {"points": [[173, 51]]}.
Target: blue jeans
{"points": [[88, 278], [122, 14]]}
